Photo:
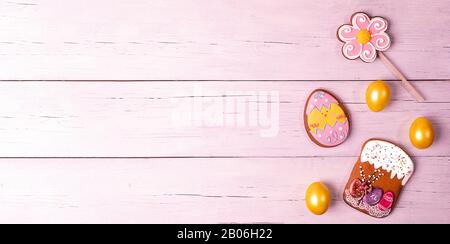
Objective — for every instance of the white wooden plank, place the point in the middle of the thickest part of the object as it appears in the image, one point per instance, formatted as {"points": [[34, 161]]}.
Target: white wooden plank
{"points": [[201, 191], [201, 39], [160, 119]]}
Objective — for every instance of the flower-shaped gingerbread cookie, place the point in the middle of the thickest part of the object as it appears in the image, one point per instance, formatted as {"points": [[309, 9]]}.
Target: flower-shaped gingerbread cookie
{"points": [[364, 37]]}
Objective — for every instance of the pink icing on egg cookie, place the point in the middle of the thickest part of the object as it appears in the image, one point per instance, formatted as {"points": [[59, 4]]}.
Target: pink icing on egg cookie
{"points": [[325, 119], [364, 37]]}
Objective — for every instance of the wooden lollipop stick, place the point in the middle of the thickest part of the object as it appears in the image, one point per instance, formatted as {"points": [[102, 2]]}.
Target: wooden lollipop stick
{"points": [[405, 83]]}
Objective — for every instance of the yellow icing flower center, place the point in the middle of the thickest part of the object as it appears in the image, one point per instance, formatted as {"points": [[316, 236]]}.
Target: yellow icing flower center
{"points": [[363, 36]]}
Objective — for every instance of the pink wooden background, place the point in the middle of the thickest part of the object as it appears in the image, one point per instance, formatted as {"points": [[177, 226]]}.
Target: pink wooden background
{"points": [[88, 89]]}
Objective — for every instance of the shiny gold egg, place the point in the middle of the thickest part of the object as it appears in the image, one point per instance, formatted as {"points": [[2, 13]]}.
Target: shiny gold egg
{"points": [[318, 198], [421, 133], [378, 95]]}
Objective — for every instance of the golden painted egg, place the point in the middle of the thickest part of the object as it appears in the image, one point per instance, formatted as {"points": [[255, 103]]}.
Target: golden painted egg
{"points": [[378, 95], [318, 198], [421, 133]]}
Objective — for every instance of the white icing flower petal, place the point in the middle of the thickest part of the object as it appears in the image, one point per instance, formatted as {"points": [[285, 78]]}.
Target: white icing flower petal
{"points": [[381, 41], [377, 25], [347, 33], [368, 53], [352, 49], [360, 21]]}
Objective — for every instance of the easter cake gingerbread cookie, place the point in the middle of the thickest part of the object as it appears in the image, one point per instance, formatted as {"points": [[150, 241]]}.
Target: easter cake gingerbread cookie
{"points": [[326, 119], [377, 178]]}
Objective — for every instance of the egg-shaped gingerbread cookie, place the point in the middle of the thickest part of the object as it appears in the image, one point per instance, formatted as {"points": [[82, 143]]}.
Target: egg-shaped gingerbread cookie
{"points": [[326, 120]]}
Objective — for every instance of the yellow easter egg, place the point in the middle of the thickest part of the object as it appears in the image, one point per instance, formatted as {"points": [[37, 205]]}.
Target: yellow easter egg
{"points": [[318, 198], [421, 133], [378, 95]]}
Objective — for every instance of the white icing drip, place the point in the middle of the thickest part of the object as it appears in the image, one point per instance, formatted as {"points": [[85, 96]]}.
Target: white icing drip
{"points": [[389, 157]]}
